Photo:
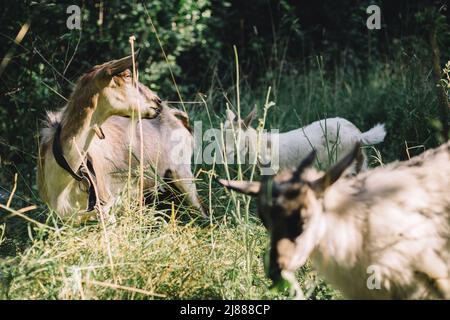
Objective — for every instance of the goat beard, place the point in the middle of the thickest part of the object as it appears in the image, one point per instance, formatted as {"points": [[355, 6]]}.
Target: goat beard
{"points": [[286, 281]]}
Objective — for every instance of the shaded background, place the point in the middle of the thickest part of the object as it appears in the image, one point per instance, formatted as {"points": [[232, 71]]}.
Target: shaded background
{"points": [[318, 57]]}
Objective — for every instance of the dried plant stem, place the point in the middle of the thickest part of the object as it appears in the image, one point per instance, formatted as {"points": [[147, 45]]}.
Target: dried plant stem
{"points": [[100, 209], [8, 204], [20, 212], [141, 135], [165, 56], [126, 288]]}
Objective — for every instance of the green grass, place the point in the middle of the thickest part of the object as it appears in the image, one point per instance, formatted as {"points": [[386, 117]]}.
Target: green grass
{"points": [[149, 256], [151, 259]]}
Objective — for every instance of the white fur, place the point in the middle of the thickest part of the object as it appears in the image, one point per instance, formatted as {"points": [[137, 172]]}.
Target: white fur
{"points": [[391, 223], [331, 138]]}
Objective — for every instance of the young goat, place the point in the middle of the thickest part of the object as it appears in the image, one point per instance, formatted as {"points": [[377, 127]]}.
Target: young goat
{"points": [[330, 138], [77, 168], [384, 234]]}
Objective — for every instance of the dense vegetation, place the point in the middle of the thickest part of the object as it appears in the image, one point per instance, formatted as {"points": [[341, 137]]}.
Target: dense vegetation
{"points": [[318, 58]]}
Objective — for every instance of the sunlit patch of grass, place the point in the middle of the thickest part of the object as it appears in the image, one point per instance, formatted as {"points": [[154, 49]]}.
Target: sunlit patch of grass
{"points": [[156, 259]]}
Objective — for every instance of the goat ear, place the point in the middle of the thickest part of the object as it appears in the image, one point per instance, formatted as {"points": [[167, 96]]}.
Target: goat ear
{"points": [[230, 115], [250, 188], [306, 163], [248, 120], [335, 172], [183, 117]]}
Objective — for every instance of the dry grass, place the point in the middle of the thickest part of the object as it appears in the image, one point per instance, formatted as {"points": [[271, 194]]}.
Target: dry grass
{"points": [[157, 259]]}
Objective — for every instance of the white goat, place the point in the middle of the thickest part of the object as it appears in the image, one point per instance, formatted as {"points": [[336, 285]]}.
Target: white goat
{"points": [[330, 138], [384, 234]]}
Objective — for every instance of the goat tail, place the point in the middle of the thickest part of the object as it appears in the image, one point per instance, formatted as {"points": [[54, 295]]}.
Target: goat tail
{"points": [[374, 135], [53, 119]]}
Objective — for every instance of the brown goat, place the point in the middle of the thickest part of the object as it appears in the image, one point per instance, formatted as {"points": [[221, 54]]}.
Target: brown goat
{"points": [[93, 130], [384, 234]]}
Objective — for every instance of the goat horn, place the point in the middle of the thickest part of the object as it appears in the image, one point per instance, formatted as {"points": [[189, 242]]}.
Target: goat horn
{"points": [[307, 162]]}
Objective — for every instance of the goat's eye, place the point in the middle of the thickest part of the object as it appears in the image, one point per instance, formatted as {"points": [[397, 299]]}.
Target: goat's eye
{"points": [[126, 75]]}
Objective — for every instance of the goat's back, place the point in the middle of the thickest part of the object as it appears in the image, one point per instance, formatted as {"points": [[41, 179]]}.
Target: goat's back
{"points": [[392, 225], [161, 138]]}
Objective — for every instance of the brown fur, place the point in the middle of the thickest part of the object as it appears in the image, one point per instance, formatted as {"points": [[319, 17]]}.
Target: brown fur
{"points": [[100, 97]]}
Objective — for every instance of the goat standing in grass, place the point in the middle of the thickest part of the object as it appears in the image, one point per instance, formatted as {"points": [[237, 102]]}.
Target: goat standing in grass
{"points": [[73, 159], [384, 234], [330, 138]]}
